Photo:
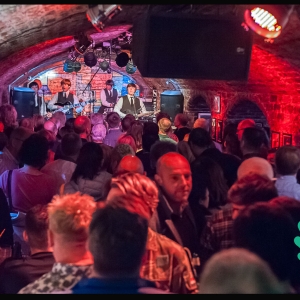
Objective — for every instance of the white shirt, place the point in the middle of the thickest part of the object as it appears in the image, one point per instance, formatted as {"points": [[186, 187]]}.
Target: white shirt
{"points": [[103, 97], [119, 106], [43, 105], [55, 98]]}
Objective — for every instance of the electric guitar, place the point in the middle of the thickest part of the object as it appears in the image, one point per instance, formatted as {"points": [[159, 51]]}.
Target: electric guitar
{"points": [[147, 113], [66, 106]]}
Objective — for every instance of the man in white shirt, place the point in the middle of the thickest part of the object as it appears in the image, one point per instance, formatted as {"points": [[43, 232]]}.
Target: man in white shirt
{"points": [[108, 96], [64, 98], [130, 104], [39, 104]]}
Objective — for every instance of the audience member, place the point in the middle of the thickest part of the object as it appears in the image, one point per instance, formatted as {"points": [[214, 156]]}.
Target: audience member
{"points": [[97, 118], [181, 123], [70, 124], [17, 273], [184, 149], [63, 168], [157, 150], [173, 217], [238, 271], [69, 220], [98, 133], [38, 122], [268, 231], [10, 157], [287, 164], [116, 271], [201, 144], [254, 142], [88, 176], [127, 139], [8, 116], [126, 123], [114, 131], [130, 163], [61, 117], [148, 139], [139, 194], [27, 123], [249, 189], [150, 128], [136, 130], [232, 145], [209, 191], [256, 165], [118, 152], [52, 140], [164, 125], [246, 123], [82, 126]]}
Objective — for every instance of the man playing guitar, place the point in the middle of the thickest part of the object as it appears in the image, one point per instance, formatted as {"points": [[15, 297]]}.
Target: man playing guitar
{"points": [[64, 97], [108, 97], [130, 104]]}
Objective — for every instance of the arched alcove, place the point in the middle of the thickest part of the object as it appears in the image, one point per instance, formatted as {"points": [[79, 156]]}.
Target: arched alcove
{"points": [[247, 109], [196, 106]]}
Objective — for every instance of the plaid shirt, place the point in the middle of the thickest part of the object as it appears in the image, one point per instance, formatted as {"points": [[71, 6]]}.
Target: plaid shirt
{"points": [[167, 264], [217, 234]]}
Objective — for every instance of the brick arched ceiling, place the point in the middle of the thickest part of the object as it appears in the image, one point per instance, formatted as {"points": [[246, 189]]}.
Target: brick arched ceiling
{"points": [[35, 37]]}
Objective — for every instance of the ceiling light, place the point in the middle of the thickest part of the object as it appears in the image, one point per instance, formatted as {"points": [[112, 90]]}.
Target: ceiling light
{"points": [[104, 65], [100, 14], [90, 59], [268, 20]]}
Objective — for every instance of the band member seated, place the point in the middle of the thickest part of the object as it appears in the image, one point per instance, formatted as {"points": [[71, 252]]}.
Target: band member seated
{"points": [[130, 104], [108, 96], [64, 98]]}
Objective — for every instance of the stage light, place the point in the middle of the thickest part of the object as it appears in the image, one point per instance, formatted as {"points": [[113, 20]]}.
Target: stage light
{"points": [[122, 59], [104, 65], [130, 67], [68, 66], [268, 20], [76, 66], [100, 14], [90, 59]]}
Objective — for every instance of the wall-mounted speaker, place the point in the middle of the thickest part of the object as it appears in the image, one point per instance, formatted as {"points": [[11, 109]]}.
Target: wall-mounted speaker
{"points": [[176, 46], [23, 100]]}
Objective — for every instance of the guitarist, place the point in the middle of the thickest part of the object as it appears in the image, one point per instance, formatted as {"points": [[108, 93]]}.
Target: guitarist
{"points": [[108, 96], [63, 98], [130, 104]]}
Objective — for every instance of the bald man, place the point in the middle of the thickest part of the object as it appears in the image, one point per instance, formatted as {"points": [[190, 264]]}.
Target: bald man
{"points": [[246, 123], [130, 163], [173, 217], [256, 165]]}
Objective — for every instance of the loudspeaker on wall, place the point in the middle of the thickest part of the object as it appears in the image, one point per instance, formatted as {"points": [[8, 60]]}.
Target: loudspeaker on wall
{"points": [[23, 101]]}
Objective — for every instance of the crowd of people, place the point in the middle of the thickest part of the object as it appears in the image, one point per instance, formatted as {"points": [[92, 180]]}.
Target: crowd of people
{"points": [[111, 205]]}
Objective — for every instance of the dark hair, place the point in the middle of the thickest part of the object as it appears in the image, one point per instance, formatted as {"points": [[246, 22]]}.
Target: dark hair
{"points": [[287, 160], [200, 137], [207, 174], [81, 124], [161, 115], [150, 128], [117, 153], [148, 139], [254, 139], [113, 119], [109, 82], [252, 188], [131, 85], [233, 144], [38, 122], [89, 162], [160, 148], [49, 135], [126, 123], [70, 123], [183, 119], [34, 151], [268, 231], [136, 130], [26, 122], [36, 226], [111, 231], [33, 83], [71, 144]]}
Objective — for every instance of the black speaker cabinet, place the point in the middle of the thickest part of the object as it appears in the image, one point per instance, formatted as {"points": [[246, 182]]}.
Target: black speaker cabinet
{"points": [[173, 46], [23, 101], [171, 102]]}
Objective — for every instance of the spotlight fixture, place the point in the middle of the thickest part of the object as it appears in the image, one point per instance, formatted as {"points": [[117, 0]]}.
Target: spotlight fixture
{"points": [[68, 66], [122, 59], [130, 67], [100, 14], [104, 65], [268, 20], [76, 66], [90, 59]]}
